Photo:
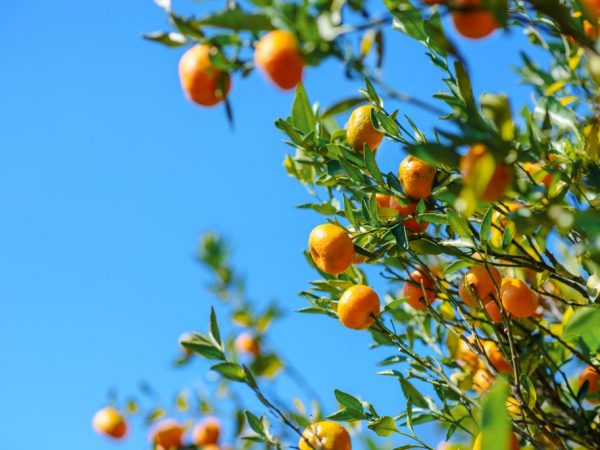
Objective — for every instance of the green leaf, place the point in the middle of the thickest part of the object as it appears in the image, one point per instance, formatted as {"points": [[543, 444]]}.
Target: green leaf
{"points": [[237, 20], [302, 114], [231, 371], [255, 423], [412, 394], [399, 233], [348, 400], [384, 426], [347, 415], [496, 107], [582, 329], [464, 84], [371, 164], [458, 223], [204, 347], [341, 106], [215, 334], [495, 421], [457, 265], [434, 218], [168, 39], [486, 225]]}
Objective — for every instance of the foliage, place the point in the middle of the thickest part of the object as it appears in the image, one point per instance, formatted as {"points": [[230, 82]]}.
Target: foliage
{"points": [[544, 230]]}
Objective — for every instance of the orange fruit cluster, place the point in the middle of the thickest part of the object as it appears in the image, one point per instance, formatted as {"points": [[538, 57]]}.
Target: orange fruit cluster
{"points": [[168, 434]]}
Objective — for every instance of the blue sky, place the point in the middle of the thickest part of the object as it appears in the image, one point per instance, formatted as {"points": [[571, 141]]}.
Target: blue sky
{"points": [[107, 177]]}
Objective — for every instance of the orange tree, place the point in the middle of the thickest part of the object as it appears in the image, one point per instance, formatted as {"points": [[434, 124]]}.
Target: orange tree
{"points": [[491, 225]]}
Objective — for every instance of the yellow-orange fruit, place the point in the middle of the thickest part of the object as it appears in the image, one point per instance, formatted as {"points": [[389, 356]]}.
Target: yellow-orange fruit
{"points": [[325, 435], [110, 422], [360, 129], [592, 7], [480, 282], [167, 434], [482, 380], [496, 357], [408, 211], [206, 432], [592, 376], [493, 310], [246, 343], [383, 200], [517, 298], [465, 356], [499, 182], [414, 290], [512, 406], [416, 177], [537, 172], [331, 248], [513, 442], [202, 82], [278, 55], [358, 306], [474, 21]]}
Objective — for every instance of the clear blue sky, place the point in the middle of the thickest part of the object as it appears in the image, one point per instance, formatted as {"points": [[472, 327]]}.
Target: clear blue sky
{"points": [[107, 177]]}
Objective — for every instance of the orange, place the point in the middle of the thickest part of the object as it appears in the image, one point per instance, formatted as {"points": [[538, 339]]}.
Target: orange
{"points": [[512, 406], [493, 310], [246, 343], [414, 290], [496, 357], [278, 55], [592, 376], [476, 23], [517, 298], [206, 432], [358, 306], [383, 200], [331, 248], [591, 31], [482, 380], [202, 82], [512, 207], [592, 7], [407, 211], [325, 435], [499, 182], [416, 177], [513, 442], [110, 422], [167, 434], [479, 282], [360, 129], [465, 355]]}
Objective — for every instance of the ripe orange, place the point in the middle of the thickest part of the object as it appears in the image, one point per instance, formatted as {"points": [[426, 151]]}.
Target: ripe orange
{"points": [[592, 7], [202, 82], [383, 200], [478, 282], [482, 380], [466, 356], [358, 306], [414, 290], [496, 357], [476, 23], [206, 432], [517, 298], [416, 177], [407, 211], [110, 422], [360, 129], [246, 343], [494, 311], [592, 376], [591, 31], [331, 248], [513, 442], [499, 182], [512, 406], [278, 55], [167, 434], [325, 435]]}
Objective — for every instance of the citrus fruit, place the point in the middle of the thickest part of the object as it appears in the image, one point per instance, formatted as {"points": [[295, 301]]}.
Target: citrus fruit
{"points": [[472, 20], [592, 376], [331, 248], [278, 55], [325, 435], [246, 343], [202, 82], [110, 422], [414, 290], [167, 434], [358, 306], [513, 442], [479, 282], [407, 211], [360, 129], [517, 298], [416, 177], [206, 432], [470, 167]]}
